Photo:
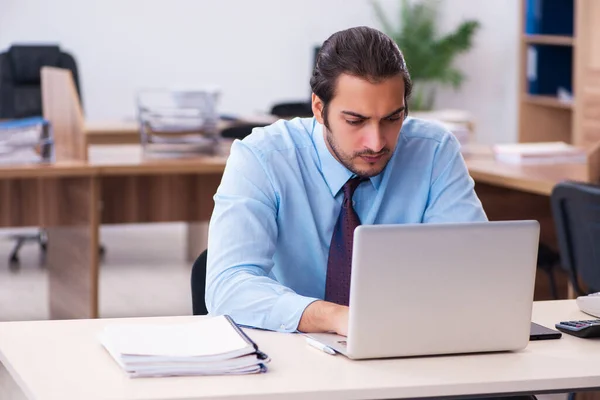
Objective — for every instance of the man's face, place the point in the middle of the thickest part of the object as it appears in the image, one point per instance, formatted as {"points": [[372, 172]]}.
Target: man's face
{"points": [[364, 121]]}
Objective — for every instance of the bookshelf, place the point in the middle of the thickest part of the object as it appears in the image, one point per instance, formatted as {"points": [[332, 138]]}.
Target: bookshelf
{"points": [[546, 101], [557, 40], [558, 49]]}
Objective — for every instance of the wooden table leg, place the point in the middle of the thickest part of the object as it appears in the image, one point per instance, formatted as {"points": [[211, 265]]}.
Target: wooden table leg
{"points": [[71, 218]]}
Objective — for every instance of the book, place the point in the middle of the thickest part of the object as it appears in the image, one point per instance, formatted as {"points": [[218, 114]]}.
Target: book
{"points": [[549, 17], [209, 346], [539, 153], [549, 69]]}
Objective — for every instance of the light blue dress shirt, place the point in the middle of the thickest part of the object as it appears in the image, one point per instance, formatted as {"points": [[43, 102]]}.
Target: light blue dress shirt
{"points": [[279, 200]]}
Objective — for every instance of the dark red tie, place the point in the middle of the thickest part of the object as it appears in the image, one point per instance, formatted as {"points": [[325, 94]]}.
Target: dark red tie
{"points": [[337, 283]]}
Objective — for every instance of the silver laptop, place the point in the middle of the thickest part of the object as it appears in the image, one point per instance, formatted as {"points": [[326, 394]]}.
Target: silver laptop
{"points": [[432, 289]]}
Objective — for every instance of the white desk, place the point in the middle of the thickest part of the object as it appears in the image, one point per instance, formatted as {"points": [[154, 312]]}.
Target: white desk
{"points": [[52, 360]]}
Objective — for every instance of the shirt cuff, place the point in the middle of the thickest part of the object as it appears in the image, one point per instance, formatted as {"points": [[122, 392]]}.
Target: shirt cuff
{"points": [[287, 312]]}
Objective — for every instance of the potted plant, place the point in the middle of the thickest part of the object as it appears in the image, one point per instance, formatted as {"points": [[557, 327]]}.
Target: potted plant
{"points": [[428, 54]]}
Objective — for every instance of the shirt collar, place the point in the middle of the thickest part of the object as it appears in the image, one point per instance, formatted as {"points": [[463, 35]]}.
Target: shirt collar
{"points": [[335, 174]]}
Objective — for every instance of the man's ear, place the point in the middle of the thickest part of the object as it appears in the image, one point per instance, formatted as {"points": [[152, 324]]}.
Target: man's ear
{"points": [[317, 108]]}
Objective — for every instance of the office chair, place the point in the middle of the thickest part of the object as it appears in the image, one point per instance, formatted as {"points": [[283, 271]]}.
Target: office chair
{"points": [[239, 131], [576, 212], [198, 283], [20, 81], [21, 97], [291, 110]]}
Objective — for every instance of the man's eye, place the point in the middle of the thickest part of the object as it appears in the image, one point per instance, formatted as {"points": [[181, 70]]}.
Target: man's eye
{"points": [[354, 121], [393, 119]]}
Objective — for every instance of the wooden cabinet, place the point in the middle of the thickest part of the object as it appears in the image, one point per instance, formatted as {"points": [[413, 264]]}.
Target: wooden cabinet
{"points": [[560, 50]]}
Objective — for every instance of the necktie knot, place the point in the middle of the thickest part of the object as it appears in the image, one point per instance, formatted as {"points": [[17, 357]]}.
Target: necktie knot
{"points": [[350, 187]]}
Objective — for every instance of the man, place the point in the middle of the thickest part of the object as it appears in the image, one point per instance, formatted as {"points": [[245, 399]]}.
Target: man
{"points": [[280, 238]]}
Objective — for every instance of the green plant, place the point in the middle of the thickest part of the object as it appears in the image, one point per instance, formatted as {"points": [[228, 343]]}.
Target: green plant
{"points": [[429, 56]]}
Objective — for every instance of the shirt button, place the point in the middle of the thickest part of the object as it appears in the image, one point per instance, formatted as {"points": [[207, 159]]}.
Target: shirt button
{"points": [[353, 203], [281, 326]]}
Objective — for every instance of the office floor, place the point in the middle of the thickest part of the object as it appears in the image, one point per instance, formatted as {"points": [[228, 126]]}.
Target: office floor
{"points": [[144, 274]]}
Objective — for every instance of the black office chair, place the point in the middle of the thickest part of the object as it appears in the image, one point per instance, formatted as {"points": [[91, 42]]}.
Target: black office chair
{"points": [[21, 97], [20, 80], [292, 110], [239, 131], [576, 213], [198, 283]]}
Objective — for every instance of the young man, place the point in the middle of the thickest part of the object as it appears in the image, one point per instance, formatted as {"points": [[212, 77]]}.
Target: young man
{"points": [[280, 238]]}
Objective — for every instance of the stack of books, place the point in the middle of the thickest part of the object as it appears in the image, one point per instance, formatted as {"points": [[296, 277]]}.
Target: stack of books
{"points": [[25, 141], [539, 153], [208, 346]]}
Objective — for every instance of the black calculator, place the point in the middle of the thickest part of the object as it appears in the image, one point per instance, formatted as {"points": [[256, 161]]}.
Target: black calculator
{"points": [[583, 328]]}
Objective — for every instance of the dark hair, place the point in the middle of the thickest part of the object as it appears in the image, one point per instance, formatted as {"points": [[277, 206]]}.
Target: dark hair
{"points": [[362, 52]]}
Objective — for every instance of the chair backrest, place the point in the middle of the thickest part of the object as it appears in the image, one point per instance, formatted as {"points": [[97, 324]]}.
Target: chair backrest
{"points": [[198, 281], [291, 110], [20, 80], [239, 130], [576, 212]]}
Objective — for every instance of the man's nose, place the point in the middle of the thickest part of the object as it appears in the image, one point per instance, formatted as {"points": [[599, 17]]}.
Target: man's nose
{"points": [[374, 139]]}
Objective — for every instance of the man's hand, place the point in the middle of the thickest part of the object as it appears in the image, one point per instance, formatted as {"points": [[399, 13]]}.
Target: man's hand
{"points": [[322, 316]]}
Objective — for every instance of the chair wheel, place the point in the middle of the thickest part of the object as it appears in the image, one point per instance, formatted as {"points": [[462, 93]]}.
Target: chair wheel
{"points": [[13, 263]]}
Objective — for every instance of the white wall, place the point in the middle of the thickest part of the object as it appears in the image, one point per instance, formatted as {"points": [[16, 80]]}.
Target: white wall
{"points": [[491, 89], [259, 52]]}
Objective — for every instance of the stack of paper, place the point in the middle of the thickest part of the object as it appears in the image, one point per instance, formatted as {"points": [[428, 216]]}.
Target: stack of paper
{"points": [[26, 140], [539, 153], [209, 346]]}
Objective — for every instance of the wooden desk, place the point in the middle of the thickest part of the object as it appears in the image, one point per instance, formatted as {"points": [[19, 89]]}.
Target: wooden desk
{"points": [[112, 132], [70, 200], [53, 360], [118, 185], [534, 179]]}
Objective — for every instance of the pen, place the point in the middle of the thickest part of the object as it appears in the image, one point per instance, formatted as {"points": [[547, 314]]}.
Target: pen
{"points": [[320, 346]]}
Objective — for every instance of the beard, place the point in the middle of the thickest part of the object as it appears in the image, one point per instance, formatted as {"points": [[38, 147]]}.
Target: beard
{"points": [[348, 160]]}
